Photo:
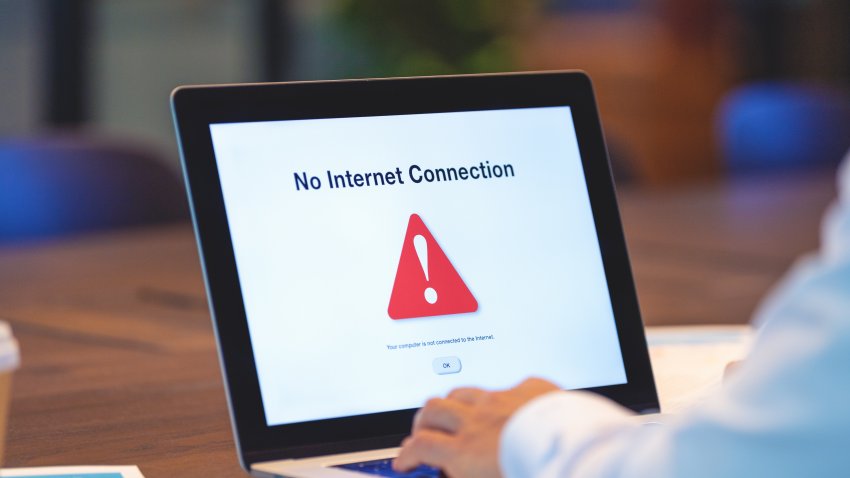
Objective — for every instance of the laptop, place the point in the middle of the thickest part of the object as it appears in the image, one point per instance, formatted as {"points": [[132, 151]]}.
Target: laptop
{"points": [[369, 244]]}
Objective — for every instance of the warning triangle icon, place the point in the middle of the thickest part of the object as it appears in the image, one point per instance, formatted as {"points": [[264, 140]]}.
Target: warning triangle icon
{"points": [[426, 283]]}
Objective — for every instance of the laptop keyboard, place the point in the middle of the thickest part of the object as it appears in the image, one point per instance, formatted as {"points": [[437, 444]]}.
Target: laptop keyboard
{"points": [[385, 468]]}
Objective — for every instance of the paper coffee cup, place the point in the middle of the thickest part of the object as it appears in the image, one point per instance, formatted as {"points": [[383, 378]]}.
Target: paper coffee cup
{"points": [[10, 358]]}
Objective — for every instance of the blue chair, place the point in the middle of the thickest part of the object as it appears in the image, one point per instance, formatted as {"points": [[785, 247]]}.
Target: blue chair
{"points": [[59, 186], [783, 126]]}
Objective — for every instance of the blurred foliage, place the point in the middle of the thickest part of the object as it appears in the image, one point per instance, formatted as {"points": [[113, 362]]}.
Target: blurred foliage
{"points": [[426, 37]]}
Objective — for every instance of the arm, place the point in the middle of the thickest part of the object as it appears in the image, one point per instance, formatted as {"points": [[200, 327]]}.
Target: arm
{"points": [[783, 413]]}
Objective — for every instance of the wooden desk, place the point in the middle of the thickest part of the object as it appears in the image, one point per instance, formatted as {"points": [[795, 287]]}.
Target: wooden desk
{"points": [[119, 363], [707, 254]]}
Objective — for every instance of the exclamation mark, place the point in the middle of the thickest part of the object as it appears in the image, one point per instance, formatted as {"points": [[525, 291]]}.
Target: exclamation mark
{"points": [[421, 246]]}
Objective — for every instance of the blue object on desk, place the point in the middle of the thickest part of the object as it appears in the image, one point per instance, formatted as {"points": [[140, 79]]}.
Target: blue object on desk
{"points": [[385, 468], [783, 125], [57, 186]]}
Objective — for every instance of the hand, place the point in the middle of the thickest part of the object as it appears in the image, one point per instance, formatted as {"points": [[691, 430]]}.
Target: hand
{"points": [[460, 433]]}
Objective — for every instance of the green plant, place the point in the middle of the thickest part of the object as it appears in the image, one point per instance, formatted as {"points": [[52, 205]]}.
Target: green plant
{"points": [[420, 37]]}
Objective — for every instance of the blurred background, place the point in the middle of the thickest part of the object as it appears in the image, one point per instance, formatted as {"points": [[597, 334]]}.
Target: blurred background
{"points": [[725, 120], [689, 90]]}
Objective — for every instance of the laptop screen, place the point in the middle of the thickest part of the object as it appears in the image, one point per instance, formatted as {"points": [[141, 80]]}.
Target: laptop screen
{"points": [[384, 260]]}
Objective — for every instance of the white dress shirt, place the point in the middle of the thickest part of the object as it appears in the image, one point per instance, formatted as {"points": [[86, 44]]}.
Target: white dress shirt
{"points": [[784, 413]]}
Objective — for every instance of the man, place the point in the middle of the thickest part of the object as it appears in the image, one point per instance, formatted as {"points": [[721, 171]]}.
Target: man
{"points": [[785, 412]]}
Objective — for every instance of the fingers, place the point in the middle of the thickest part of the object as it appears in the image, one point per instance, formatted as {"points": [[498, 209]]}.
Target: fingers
{"points": [[467, 395], [440, 414], [425, 447], [535, 386]]}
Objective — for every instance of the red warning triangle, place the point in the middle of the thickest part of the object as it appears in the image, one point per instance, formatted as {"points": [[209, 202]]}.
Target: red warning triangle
{"points": [[427, 283]]}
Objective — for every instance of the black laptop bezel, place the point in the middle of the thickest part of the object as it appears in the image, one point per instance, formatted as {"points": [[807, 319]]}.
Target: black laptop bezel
{"points": [[196, 107]]}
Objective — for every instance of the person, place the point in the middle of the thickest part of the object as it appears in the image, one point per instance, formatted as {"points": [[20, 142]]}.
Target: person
{"points": [[783, 412]]}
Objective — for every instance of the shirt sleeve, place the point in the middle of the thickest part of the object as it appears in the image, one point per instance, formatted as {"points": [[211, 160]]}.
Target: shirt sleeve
{"points": [[784, 413], [535, 438]]}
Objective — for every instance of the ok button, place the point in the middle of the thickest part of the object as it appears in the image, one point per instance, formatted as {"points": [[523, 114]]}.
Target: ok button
{"points": [[446, 365]]}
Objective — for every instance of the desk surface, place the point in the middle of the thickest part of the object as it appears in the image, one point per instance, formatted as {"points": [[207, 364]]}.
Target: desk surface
{"points": [[119, 363]]}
